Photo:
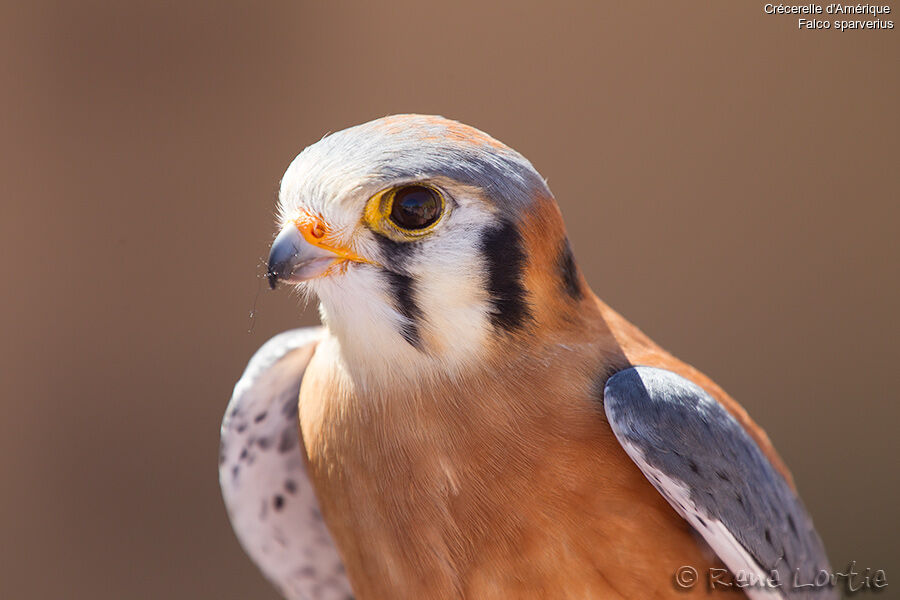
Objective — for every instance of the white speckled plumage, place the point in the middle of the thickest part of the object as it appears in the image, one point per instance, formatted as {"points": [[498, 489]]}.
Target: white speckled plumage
{"points": [[262, 472]]}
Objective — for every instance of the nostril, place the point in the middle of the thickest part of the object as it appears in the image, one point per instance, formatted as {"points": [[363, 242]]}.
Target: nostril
{"points": [[317, 230]]}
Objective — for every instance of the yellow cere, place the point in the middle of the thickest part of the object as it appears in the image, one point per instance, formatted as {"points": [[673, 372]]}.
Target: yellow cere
{"points": [[317, 232]]}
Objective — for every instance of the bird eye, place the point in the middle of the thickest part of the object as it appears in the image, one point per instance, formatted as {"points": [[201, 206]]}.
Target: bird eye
{"points": [[415, 207]]}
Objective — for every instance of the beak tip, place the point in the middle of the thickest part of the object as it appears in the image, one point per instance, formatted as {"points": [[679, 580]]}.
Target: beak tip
{"points": [[292, 259], [272, 277]]}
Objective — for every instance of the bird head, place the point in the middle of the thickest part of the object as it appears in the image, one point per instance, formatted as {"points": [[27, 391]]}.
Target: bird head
{"points": [[427, 242]]}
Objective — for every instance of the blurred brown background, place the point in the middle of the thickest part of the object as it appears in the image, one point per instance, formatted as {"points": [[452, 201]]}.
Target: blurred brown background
{"points": [[730, 184]]}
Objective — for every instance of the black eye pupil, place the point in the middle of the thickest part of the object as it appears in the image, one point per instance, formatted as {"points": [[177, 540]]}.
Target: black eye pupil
{"points": [[415, 207]]}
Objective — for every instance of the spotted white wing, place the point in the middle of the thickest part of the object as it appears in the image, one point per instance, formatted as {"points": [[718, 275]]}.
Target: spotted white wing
{"points": [[716, 477], [262, 472]]}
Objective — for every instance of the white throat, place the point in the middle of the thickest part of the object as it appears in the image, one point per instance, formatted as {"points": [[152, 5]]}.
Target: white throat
{"points": [[358, 310]]}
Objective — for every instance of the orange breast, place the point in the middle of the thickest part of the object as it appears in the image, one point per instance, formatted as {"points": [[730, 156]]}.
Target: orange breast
{"points": [[507, 485]]}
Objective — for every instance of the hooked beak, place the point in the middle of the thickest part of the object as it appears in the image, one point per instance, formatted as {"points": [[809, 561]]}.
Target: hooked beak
{"points": [[302, 251], [292, 259]]}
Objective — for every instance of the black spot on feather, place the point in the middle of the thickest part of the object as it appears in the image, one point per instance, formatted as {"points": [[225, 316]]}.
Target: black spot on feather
{"points": [[290, 406], [568, 272], [288, 439], [501, 247], [792, 525]]}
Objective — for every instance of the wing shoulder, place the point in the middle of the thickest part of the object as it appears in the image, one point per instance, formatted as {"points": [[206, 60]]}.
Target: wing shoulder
{"points": [[716, 477], [262, 472]]}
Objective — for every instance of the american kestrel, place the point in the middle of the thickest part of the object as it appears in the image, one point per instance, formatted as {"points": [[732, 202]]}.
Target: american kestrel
{"points": [[471, 421]]}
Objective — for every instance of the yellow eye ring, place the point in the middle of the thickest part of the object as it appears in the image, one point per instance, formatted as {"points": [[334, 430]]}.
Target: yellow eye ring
{"points": [[407, 211]]}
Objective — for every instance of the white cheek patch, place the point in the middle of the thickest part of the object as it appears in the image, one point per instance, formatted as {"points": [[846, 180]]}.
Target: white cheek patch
{"points": [[359, 311], [454, 309], [425, 309], [356, 304], [450, 289]]}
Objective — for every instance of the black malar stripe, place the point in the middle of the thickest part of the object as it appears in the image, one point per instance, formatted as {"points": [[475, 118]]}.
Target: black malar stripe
{"points": [[403, 289]]}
